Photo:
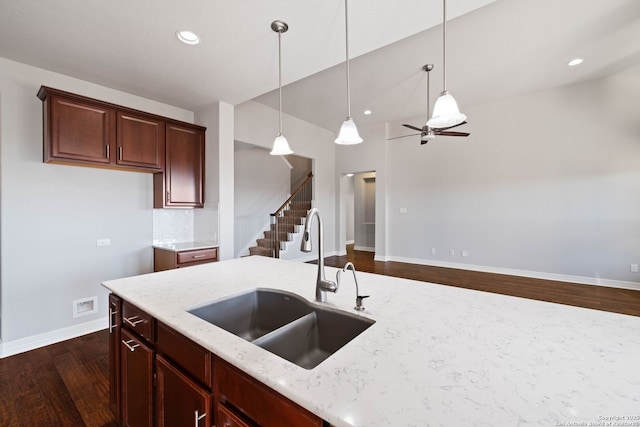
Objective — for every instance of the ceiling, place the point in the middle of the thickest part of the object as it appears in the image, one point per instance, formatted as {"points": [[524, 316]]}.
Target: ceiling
{"points": [[495, 49]]}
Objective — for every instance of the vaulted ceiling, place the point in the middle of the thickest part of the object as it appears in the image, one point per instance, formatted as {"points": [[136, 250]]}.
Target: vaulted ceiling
{"points": [[495, 49]]}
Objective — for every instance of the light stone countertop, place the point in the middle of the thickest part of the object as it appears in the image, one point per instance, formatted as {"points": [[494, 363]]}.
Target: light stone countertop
{"points": [[436, 356], [186, 246]]}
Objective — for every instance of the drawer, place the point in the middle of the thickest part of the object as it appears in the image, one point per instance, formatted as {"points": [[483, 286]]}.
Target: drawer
{"points": [[137, 320], [258, 402], [199, 255], [189, 356], [226, 418]]}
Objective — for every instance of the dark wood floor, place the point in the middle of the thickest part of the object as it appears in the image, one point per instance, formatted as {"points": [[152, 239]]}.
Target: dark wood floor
{"points": [[597, 297], [66, 384], [62, 385]]}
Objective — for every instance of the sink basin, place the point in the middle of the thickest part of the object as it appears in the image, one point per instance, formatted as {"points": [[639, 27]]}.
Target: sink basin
{"points": [[285, 324], [255, 313]]}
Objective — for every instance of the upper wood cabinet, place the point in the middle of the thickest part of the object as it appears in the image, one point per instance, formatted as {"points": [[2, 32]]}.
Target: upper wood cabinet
{"points": [[77, 131], [140, 141], [182, 184]]}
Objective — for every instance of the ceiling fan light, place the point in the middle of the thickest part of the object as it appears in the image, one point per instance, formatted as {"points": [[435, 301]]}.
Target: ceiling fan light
{"points": [[281, 146], [348, 133], [445, 112]]}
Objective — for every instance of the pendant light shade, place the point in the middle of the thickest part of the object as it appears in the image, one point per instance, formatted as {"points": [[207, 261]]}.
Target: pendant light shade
{"points": [[280, 144], [445, 112], [348, 131]]}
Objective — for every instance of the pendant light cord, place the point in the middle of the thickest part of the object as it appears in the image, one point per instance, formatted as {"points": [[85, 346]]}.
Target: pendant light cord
{"points": [[444, 45], [280, 76], [346, 26]]}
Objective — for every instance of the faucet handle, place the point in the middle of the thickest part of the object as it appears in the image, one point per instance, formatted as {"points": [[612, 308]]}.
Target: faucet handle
{"points": [[359, 305]]}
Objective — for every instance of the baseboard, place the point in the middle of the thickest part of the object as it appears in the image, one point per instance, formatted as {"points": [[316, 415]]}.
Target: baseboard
{"points": [[21, 345], [364, 248], [523, 273], [350, 242]]}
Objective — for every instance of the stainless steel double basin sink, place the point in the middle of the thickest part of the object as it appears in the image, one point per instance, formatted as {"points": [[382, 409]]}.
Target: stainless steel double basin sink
{"points": [[285, 324]]}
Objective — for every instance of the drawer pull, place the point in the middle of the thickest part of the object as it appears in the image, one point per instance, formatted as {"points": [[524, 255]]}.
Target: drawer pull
{"points": [[198, 417], [199, 256], [112, 319], [133, 322], [131, 347]]}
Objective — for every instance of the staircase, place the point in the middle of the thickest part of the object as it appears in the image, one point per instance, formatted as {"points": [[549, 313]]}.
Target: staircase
{"points": [[285, 222]]}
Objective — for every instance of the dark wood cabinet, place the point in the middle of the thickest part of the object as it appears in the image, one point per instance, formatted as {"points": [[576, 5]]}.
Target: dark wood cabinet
{"points": [[182, 184], [168, 259], [140, 141], [115, 324], [180, 401], [136, 381], [78, 131], [192, 387]]}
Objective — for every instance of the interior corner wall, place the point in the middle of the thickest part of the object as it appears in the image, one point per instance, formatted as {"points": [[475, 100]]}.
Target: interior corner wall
{"points": [[218, 198], [364, 211], [547, 182], [51, 215], [257, 124]]}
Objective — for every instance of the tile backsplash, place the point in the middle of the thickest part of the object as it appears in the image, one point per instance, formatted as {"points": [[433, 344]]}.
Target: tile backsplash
{"points": [[184, 225]]}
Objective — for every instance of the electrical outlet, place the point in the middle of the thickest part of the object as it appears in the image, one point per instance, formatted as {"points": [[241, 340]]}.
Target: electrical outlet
{"points": [[634, 268], [103, 242], [433, 251], [452, 252], [465, 252], [85, 306], [403, 210]]}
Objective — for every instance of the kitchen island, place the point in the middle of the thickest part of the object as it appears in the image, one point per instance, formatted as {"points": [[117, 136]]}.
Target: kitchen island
{"points": [[436, 355]]}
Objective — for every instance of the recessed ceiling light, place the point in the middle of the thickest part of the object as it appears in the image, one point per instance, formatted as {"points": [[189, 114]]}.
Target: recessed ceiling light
{"points": [[187, 37], [574, 62], [367, 112], [349, 175]]}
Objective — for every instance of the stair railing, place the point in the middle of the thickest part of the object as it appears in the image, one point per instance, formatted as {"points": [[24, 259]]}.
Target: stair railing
{"points": [[283, 223]]}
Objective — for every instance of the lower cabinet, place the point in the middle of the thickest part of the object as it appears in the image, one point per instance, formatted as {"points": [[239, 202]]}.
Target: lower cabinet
{"points": [[162, 378], [179, 400], [136, 360]]}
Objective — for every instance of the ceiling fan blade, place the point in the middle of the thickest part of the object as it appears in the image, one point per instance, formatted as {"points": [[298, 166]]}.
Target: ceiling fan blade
{"points": [[445, 133], [403, 136], [451, 127], [412, 127]]}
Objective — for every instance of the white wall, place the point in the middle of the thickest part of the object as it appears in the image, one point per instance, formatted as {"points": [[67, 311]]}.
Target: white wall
{"points": [[51, 215], [262, 183], [258, 125], [547, 182]]}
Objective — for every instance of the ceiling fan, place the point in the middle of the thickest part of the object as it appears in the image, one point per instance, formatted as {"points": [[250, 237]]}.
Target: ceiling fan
{"points": [[428, 133]]}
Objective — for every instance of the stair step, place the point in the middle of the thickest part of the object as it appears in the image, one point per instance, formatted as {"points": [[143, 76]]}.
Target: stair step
{"points": [[300, 213], [257, 250], [268, 243], [284, 236], [301, 205], [291, 220], [288, 228]]}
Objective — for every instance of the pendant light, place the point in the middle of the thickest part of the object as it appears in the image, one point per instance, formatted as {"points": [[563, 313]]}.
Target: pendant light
{"points": [[348, 131], [280, 144], [445, 112]]}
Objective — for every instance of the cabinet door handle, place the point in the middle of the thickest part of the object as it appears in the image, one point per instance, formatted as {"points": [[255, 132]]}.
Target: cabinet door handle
{"points": [[198, 417], [112, 319], [168, 196], [131, 347], [107, 150], [120, 152], [133, 322]]}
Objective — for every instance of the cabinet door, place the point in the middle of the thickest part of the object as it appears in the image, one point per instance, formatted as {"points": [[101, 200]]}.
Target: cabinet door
{"points": [[115, 323], [78, 131], [184, 168], [140, 141], [180, 401], [137, 381]]}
